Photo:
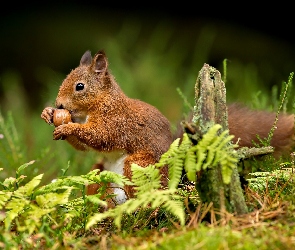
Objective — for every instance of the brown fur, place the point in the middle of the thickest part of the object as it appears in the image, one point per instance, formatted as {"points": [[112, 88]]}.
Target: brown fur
{"points": [[246, 124], [106, 120]]}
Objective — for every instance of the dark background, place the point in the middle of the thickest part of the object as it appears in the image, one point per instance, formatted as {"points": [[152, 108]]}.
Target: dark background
{"points": [[55, 35]]}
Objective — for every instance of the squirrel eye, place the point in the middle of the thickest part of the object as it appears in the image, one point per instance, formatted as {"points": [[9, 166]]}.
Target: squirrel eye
{"points": [[79, 86]]}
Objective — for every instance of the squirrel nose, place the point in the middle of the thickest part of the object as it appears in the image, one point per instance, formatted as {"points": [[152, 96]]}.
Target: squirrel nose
{"points": [[59, 106]]}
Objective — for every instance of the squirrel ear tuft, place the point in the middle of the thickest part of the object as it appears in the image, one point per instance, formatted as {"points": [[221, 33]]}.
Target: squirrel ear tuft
{"points": [[86, 58], [100, 62]]}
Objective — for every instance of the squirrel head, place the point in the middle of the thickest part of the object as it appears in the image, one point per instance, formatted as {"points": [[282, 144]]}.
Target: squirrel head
{"points": [[85, 86]]}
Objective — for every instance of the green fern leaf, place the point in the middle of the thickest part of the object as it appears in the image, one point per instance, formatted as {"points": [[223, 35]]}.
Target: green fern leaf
{"points": [[190, 165], [166, 157], [51, 200], [145, 179], [111, 213], [108, 176], [226, 171], [33, 217], [154, 199], [224, 145], [211, 150], [209, 137], [206, 145], [9, 183], [4, 197], [20, 200], [174, 158], [95, 199], [176, 165], [70, 181], [201, 153], [15, 206], [27, 189], [175, 207]]}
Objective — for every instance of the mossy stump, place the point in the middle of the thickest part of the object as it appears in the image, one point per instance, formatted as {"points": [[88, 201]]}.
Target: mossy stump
{"points": [[210, 108]]}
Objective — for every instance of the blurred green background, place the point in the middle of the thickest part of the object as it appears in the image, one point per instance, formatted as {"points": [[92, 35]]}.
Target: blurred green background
{"points": [[152, 51]]}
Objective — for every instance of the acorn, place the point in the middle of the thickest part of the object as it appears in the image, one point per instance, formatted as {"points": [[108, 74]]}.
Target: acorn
{"points": [[61, 116]]}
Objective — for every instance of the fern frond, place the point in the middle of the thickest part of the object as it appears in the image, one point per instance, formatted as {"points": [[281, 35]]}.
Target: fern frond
{"points": [[8, 183], [203, 147], [176, 208], [201, 151], [145, 179], [15, 206], [225, 140], [72, 181], [4, 197], [166, 198], [166, 157], [27, 189], [95, 199], [190, 165], [32, 219], [175, 172], [174, 159], [280, 178], [51, 200], [108, 176], [211, 150], [99, 217], [176, 164], [19, 199]]}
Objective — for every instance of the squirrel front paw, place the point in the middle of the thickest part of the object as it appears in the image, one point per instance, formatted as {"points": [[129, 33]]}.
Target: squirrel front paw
{"points": [[63, 131], [47, 115], [60, 132]]}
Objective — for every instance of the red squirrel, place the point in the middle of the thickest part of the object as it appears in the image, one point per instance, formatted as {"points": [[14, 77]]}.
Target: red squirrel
{"points": [[129, 131], [124, 130]]}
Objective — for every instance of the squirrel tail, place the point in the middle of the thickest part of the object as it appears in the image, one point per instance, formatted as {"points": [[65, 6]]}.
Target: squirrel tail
{"points": [[246, 124]]}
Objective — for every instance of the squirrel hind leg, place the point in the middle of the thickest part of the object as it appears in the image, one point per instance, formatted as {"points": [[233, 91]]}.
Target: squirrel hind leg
{"points": [[142, 159]]}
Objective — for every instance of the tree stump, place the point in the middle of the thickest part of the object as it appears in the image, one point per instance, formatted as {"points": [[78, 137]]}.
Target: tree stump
{"points": [[210, 108]]}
